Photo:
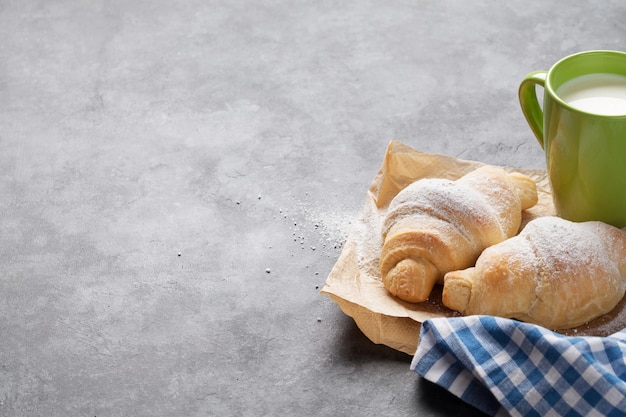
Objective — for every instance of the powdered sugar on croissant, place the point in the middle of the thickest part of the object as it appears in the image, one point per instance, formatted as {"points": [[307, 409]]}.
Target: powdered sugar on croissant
{"points": [[434, 226], [555, 273]]}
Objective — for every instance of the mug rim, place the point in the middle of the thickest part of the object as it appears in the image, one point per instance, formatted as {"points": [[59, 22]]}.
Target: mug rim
{"points": [[554, 70]]}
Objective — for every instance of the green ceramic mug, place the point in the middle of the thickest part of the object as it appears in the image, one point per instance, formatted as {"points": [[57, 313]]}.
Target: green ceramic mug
{"points": [[582, 129]]}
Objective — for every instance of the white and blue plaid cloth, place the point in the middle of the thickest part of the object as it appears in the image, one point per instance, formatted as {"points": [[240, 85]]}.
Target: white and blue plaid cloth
{"points": [[506, 367]]}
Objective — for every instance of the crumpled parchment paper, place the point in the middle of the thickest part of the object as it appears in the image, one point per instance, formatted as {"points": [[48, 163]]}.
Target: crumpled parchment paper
{"points": [[355, 283]]}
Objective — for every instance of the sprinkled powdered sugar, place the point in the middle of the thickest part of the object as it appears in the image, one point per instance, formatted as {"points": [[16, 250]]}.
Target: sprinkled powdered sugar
{"points": [[565, 245], [315, 226], [442, 199], [580, 261], [500, 196], [474, 214], [332, 224]]}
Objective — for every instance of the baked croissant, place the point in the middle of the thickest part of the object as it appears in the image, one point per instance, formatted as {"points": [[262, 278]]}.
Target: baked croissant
{"points": [[434, 226], [555, 273]]}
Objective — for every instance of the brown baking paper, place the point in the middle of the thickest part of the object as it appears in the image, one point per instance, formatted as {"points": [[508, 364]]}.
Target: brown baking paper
{"points": [[355, 283]]}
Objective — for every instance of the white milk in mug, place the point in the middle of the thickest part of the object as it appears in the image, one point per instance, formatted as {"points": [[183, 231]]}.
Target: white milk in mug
{"points": [[603, 94]]}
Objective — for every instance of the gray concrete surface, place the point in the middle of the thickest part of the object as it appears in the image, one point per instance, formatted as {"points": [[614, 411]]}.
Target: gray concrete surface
{"points": [[177, 179]]}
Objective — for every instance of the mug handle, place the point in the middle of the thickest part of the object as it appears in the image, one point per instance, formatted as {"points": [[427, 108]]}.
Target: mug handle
{"points": [[529, 103]]}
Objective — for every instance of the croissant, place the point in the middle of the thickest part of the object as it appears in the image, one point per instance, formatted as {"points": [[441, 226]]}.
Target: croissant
{"points": [[555, 273], [434, 226]]}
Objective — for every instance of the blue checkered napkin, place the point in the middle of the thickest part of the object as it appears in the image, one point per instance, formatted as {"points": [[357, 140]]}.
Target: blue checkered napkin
{"points": [[503, 367]]}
